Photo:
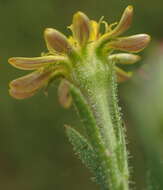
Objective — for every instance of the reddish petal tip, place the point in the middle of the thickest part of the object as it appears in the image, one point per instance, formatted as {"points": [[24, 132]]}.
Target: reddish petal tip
{"points": [[56, 41], [81, 28]]}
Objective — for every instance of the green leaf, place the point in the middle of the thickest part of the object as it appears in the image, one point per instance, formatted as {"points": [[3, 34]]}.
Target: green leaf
{"points": [[87, 118], [87, 155]]}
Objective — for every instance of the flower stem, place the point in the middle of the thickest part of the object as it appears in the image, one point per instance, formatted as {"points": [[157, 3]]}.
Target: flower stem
{"points": [[97, 106]]}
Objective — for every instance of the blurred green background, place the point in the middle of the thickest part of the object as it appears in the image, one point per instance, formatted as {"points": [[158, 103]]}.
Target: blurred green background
{"points": [[34, 152]]}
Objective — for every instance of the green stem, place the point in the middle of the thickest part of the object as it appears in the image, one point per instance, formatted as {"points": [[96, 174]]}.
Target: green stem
{"points": [[97, 107]]}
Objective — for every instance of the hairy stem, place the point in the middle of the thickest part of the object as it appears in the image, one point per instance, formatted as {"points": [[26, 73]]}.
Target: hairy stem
{"points": [[98, 109]]}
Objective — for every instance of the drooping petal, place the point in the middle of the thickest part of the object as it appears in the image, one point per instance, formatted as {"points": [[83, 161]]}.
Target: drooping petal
{"points": [[56, 41], [124, 58], [124, 23], [63, 94], [31, 82], [35, 62], [134, 43], [20, 95], [122, 76], [81, 28]]}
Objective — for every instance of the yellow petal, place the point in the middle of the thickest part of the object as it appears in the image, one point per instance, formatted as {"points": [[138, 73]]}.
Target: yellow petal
{"points": [[124, 23], [124, 58], [94, 34], [122, 76], [133, 43], [30, 82], [20, 95], [63, 94], [81, 28], [35, 62], [56, 41], [72, 41]]}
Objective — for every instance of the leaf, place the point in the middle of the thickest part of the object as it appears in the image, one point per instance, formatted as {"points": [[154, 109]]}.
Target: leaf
{"points": [[86, 116], [87, 155]]}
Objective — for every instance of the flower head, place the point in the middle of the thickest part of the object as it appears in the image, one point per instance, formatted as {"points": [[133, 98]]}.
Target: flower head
{"points": [[63, 52]]}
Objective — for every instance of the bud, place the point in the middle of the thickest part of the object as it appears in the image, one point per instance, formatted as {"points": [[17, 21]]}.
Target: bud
{"points": [[133, 43], [81, 28], [124, 23], [124, 58], [122, 76], [35, 62], [63, 93], [56, 41]]}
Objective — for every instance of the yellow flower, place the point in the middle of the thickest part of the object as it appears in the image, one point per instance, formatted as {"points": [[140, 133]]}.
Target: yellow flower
{"points": [[57, 63]]}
